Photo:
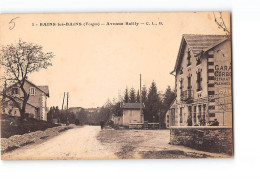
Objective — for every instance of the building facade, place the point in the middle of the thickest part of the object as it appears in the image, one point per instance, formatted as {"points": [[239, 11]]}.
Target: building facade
{"points": [[36, 106], [132, 114], [203, 85]]}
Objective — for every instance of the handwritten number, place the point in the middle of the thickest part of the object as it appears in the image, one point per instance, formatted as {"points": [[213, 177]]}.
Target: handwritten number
{"points": [[12, 23]]}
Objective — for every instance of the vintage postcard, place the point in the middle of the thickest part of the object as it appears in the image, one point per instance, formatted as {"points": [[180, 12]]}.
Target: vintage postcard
{"points": [[116, 86]]}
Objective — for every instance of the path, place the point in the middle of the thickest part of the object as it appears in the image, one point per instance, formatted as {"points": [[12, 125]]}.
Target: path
{"points": [[78, 143]]}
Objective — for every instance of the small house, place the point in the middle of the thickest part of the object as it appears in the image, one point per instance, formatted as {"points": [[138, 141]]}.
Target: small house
{"points": [[132, 115]]}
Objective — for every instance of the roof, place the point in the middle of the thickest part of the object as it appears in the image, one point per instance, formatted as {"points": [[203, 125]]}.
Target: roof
{"points": [[131, 106], [198, 43], [44, 89]]}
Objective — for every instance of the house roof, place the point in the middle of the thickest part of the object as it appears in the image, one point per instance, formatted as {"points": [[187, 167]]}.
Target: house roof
{"points": [[198, 44], [44, 89], [131, 106]]}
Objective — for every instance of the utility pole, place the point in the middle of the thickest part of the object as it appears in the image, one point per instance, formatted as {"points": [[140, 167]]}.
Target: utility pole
{"points": [[63, 101], [62, 107], [141, 99], [67, 112]]}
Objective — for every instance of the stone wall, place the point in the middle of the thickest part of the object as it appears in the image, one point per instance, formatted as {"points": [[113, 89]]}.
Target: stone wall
{"points": [[217, 139]]}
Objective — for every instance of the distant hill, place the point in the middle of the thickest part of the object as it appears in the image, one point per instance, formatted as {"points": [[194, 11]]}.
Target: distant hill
{"points": [[88, 110]]}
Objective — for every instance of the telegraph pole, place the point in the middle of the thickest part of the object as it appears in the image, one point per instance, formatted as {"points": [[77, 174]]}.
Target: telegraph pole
{"points": [[62, 106], [141, 98], [67, 112], [63, 101]]}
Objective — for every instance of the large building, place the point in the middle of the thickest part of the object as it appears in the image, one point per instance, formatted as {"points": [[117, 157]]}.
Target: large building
{"points": [[202, 81], [36, 106]]}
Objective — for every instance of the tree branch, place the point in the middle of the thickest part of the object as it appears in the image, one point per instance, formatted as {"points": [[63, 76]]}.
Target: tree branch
{"points": [[221, 24], [12, 99]]}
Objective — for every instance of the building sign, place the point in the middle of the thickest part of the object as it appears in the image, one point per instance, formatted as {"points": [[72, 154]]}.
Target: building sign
{"points": [[222, 75]]}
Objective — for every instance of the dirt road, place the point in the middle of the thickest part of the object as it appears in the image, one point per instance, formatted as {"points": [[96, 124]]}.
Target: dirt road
{"points": [[148, 144], [78, 143], [89, 142]]}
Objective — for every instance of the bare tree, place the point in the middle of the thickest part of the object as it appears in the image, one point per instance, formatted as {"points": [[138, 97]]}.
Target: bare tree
{"points": [[17, 62], [221, 23]]}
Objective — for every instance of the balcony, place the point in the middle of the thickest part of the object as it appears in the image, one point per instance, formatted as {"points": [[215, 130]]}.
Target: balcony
{"points": [[187, 95]]}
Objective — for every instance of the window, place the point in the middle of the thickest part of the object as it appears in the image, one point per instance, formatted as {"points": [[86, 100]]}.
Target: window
{"points": [[190, 112], [15, 91], [172, 117], [204, 112], [198, 60], [181, 115], [199, 79], [189, 82], [15, 111], [194, 115], [181, 85], [188, 58], [32, 91], [199, 115], [181, 70]]}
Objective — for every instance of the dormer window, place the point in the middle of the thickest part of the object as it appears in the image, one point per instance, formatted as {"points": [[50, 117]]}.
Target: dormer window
{"points": [[15, 91], [32, 91], [181, 70], [198, 60], [188, 58]]}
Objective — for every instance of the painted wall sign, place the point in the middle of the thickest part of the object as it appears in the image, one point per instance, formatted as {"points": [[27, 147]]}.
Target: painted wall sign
{"points": [[223, 75]]}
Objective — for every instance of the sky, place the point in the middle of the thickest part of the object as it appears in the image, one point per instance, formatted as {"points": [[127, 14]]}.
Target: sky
{"points": [[97, 63]]}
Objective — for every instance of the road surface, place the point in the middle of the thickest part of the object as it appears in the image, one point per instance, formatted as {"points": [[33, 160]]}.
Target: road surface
{"points": [[89, 142], [78, 143]]}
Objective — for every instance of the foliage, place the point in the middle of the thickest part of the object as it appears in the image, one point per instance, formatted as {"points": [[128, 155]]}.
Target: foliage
{"points": [[117, 110], [169, 97], [105, 113], [153, 104], [55, 115], [138, 97], [144, 95], [82, 116], [126, 97], [132, 96]]}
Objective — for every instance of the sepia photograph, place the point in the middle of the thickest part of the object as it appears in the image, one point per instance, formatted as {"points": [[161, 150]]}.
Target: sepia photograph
{"points": [[151, 85]]}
